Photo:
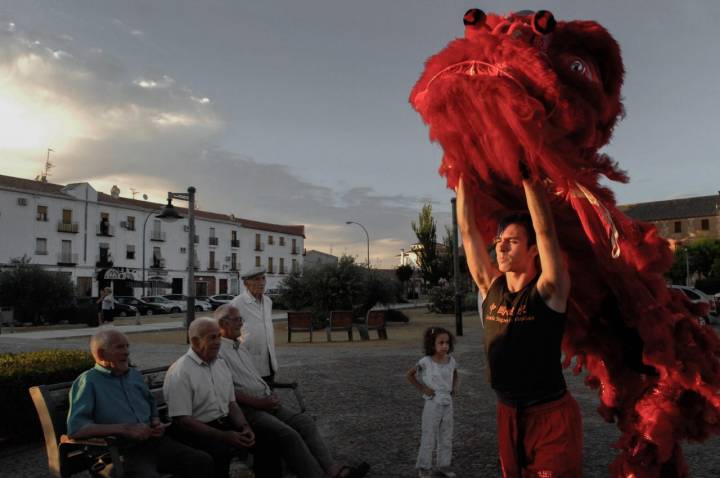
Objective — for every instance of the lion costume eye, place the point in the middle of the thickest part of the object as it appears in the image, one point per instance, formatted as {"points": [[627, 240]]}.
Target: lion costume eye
{"points": [[579, 66]]}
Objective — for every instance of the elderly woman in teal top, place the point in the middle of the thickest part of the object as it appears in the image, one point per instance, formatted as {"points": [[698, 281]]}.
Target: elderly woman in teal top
{"points": [[113, 399]]}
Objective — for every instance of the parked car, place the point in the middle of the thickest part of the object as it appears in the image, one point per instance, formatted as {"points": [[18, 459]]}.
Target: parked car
{"points": [[124, 310], [219, 299], [696, 296], [145, 308], [200, 305], [175, 306]]}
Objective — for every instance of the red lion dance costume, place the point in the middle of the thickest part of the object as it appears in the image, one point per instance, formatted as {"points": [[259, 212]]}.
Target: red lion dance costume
{"points": [[526, 86]]}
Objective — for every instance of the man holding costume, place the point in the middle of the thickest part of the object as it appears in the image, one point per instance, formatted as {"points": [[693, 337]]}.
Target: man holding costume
{"points": [[524, 311]]}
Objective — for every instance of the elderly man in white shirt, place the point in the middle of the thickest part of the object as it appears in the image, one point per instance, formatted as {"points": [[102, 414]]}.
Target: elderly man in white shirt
{"points": [[200, 396], [294, 434], [258, 334]]}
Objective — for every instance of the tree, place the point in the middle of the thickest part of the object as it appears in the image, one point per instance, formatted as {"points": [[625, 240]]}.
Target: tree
{"points": [[33, 292], [426, 231], [404, 273], [345, 286]]}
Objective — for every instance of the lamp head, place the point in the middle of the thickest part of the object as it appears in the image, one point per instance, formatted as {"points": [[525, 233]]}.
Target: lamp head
{"points": [[169, 212]]}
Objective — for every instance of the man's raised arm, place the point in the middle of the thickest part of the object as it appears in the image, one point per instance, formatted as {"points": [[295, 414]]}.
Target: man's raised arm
{"points": [[554, 281], [478, 260]]}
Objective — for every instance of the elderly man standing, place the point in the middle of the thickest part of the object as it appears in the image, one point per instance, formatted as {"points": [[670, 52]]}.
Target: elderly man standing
{"points": [[294, 434], [199, 392], [113, 399], [258, 334]]}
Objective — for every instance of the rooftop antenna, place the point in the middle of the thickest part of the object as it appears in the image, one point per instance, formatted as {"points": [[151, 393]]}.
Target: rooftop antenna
{"points": [[42, 177], [133, 191]]}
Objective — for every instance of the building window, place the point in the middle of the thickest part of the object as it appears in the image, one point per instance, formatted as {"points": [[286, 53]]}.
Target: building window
{"points": [[130, 225], [257, 261], [211, 260], [233, 261], [258, 243], [130, 253], [295, 266], [281, 266], [677, 227], [42, 213], [270, 265], [41, 246], [212, 232], [233, 235], [282, 240], [705, 224], [67, 216], [270, 239]]}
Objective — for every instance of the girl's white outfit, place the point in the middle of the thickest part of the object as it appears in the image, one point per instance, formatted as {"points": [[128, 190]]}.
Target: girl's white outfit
{"points": [[437, 417]]}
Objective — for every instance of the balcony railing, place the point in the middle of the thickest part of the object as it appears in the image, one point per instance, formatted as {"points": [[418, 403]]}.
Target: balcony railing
{"points": [[234, 267], [130, 226], [71, 227], [234, 242], [212, 266], [157, 263], [103, 260], [259, 247], [67, 259], [294, 251], [42, 217], [213, 241], [157, 236], [105, 230], [41, 252]]}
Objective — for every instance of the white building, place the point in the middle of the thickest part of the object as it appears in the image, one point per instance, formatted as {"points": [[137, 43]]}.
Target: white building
{"points": [[97, 239], [316, 258]]}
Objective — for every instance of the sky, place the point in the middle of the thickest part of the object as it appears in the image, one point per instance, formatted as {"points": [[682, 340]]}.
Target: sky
{"points": [[296, 111]]}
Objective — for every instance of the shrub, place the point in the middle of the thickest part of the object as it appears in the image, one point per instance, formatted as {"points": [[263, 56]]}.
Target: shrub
{"points": [[18, 372], [34, 293], [345, 286], [393, 315], [442, 300]]}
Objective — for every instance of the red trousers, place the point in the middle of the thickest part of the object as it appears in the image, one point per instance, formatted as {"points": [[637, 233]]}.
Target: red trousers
{"points": [[551, 439]]}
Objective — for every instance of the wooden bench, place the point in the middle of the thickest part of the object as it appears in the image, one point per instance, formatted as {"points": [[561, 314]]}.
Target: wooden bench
{"points": [[340, 321], [374, 320], [66, 456], [299, 322]]}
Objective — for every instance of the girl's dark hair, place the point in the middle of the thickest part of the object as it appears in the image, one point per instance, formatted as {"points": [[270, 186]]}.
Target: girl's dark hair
{"points": [[431, 334]]}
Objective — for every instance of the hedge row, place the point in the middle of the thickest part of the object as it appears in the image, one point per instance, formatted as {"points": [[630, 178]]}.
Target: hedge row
{"points": [[18, 372]]}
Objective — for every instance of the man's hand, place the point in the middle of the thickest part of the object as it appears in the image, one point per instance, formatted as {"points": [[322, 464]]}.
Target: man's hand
{"points": [[157, 429], [137, 431], [240, 439], [270, 403], [428, 391]]}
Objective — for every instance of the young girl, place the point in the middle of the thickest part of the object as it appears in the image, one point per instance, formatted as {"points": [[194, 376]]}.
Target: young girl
{"points": [[438, 384]]}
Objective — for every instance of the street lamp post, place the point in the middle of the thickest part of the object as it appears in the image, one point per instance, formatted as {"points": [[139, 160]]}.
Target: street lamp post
{"points": [[169, 212], [368, 240]]}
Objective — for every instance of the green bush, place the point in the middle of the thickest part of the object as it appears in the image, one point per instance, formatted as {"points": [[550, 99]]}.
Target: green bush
{"points": [[345, 286], [34, 292], [18, 372], [442, 300]]}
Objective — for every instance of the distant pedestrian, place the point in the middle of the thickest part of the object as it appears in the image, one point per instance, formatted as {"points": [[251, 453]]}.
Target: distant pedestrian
{"points": [[438, 382], [107, 305]]}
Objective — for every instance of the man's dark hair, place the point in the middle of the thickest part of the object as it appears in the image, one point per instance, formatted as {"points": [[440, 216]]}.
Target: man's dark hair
{"points": [[522, 218]]}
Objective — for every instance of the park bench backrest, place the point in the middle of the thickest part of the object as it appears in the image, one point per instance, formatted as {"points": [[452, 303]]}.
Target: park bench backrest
{"points": [[52, 403], [376, 319], [341, 319], [299, 320]]}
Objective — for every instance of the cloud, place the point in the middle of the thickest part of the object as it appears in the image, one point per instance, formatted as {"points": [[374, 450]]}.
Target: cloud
{"points": [[154, 134]]}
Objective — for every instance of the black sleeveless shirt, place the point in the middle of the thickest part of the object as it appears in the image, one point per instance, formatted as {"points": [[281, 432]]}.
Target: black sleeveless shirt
{"points": [[522, 342]]}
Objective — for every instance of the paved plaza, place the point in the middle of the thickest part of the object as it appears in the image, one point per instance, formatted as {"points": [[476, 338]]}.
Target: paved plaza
{"points": [[368, 412]]}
